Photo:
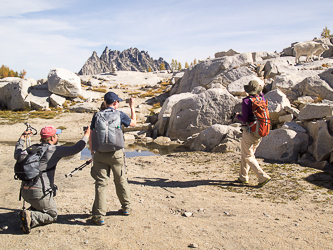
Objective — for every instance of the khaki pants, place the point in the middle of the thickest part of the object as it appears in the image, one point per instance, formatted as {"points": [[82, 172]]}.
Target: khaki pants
{"points": [[45, 206], [249, 145], [103, 163]]}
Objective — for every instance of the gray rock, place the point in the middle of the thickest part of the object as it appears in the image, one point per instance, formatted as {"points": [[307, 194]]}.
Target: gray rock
{"points": [[315, 111], [13, 92], [292, 110], [237, 87], [198, 90], [312, 86], [286, 118], [294, 126], [307, 160], [322, 142], [209, 71], [39, 97], [230, 52], [85, 107], [282, 145], [57, 100], [278, 67], [232, 75], [165, 113], [198, 112], [327, 76], [64, 82], [162, 140], [262, 55], [208, 139], [277, 102]]}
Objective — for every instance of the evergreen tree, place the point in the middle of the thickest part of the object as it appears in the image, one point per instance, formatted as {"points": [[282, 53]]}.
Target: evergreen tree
{"points": [[149, 70], [186, 65], [195, 61]]}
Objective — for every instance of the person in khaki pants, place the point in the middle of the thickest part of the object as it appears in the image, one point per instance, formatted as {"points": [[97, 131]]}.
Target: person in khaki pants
{"points": [[250, 141], [105, 162]]}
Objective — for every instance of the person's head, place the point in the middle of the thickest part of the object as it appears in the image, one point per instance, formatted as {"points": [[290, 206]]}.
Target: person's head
{"points": [[49, 134], [112, 99], [253, 88]]}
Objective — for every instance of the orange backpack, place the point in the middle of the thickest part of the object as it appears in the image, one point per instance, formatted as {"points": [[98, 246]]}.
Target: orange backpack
{"points": [[261, 125]]}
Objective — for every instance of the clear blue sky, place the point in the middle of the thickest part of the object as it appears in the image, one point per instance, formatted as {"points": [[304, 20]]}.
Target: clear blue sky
{"points": [[38, 35]]}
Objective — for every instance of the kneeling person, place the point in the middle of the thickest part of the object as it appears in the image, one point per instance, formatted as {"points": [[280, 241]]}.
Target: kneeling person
{"points": [[40, 192]]}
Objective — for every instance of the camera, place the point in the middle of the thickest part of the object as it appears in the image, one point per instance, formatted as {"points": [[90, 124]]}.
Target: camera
{"points": [[85, 128]]}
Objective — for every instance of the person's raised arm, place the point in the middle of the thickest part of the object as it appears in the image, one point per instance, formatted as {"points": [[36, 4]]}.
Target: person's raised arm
{"points": [[133, 115]]}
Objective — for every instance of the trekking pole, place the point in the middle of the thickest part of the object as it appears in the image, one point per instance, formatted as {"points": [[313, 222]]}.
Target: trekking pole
{"points": [[34, 132], [79, 168]]}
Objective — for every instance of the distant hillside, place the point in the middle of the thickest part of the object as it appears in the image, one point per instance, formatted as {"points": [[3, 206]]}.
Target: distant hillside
{"points": [[129, 60]]}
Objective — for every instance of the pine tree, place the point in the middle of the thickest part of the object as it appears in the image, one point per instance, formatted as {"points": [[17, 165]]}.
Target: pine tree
{"points": [[186, 65], [195, 61], [149, 70], [326, 33]]}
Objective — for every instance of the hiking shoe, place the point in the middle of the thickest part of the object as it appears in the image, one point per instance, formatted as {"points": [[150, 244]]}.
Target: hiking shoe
{"points": [[243, 182], [126, 212], [25, 221], [99, 221], [264, 183]]}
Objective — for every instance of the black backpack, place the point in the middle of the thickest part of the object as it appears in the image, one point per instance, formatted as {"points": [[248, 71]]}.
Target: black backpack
{"points": [[27, 165]]}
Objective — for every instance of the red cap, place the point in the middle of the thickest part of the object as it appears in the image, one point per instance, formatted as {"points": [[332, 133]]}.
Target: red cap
{"points": [[49, 131]]}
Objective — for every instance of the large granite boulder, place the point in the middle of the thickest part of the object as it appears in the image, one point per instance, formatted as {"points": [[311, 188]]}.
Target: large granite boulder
{"points": [[237, 87], [165, 113], [312, 86], [39, 97], [208, 139], [327, 76], [232, 75], [322, 142], [208, 71], [315, 111], [278, 67], [64, 82], [194, 114], [277, 101], [13, 92], [282, 145]]}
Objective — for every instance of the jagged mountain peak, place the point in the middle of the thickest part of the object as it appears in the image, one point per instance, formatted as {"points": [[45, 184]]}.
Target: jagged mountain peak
{"points": [[131, 59]]}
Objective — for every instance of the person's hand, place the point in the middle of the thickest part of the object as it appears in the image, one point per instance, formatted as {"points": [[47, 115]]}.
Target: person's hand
{"points": [[26, 134], [131, 102], [87, 132]]}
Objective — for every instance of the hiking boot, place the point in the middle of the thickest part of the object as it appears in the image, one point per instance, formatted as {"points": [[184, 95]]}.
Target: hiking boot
{"points": [[243, 182], [98, 221], [126, 211], [264, 183], [25, 216]]}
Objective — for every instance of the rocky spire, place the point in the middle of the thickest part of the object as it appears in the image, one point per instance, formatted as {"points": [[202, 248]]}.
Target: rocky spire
{"points": [[131, 60]]}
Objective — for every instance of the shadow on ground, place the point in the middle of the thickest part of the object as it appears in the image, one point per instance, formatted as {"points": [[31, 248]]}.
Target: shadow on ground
{"points": [[164, 183], [321, 179]]}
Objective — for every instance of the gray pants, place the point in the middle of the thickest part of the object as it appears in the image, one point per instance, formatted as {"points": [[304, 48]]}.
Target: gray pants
{"points": [[103, 164], [45, 206]]}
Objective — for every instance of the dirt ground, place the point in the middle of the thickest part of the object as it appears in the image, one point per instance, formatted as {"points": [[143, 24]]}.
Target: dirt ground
{"points": [[179, 199]]}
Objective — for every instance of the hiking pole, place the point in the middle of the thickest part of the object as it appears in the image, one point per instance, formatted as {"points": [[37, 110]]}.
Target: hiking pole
{"points": [[79, 168], [34, 132]]}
